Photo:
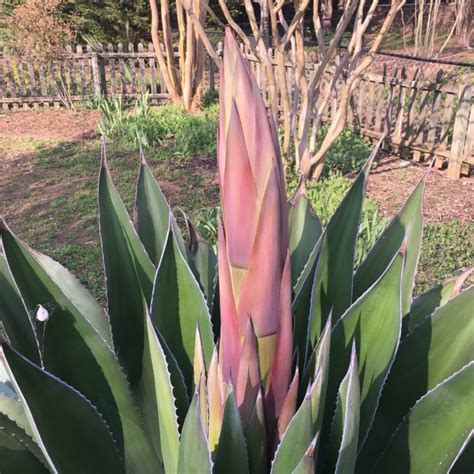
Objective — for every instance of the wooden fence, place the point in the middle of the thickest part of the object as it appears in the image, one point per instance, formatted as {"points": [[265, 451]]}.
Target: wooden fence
{"points": [[421, 118]]}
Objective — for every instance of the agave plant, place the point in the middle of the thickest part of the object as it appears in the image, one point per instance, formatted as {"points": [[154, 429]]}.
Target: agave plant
{"points": [[273, 356]]}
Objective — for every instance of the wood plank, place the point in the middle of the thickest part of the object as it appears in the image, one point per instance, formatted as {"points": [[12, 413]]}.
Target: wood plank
{"points": [[370, 105], [30, 67], [141, 66], [70, 73], [432, 138], [133, 71], [153, 75], [123, 80], [82, 71], [2, 87], [461, 124], [111, 60]]}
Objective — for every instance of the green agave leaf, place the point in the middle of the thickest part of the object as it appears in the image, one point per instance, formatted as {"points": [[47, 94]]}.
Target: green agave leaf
{"points": [[434, 431], [151, 213], [332, 285], [345, 428], [129, 275], [178, 307], [301, 306], [11, 407], [409, 221], [205, 262], [307, 465], [304, 230], [437, 348], [18, 452], [465, 458], [438, 296], [295, 440], [231, 453], [13, 315], [374, 322], [74, 349], [156, 400], [194, 454], [321, 375], [257, 438], [70, 432]]}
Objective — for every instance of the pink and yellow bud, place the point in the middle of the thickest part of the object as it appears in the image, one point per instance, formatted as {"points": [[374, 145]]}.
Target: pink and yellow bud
{"points": [[254, 265]]}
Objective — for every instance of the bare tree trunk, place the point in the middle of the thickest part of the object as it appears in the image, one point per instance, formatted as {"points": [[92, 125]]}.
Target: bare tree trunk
{"points": [[464, 22]]}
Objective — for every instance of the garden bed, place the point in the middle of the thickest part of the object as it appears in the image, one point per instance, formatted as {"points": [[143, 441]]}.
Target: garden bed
{"points": [[49, 161]]}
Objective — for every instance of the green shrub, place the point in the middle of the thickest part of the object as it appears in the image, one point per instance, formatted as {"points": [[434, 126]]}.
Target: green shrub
{"points": [[348, 152], [446, 249]]}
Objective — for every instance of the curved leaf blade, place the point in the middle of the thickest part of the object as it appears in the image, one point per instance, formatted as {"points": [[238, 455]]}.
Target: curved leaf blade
{"points": [[18, 452], [13, 315], [409, 222], [231, 453], [129, 275], [436, 349], [156, 400], [332, 285], [427, 443], [74, 350], [304, 230], [151, 213], [374, 322], [178, 307], [345, 428], [52, 407], [194, 455]]}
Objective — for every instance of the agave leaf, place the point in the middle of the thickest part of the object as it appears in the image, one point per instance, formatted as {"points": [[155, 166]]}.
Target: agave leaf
{"points": [[301, 305], [74, 349], [205, 262], [307, 465], [438, 296], [257, 438], [437, 348], [374, 322], [156, 400], [14, 317], [151, 213], [248, 377], [345, 428], [332, 285], [295, 440], [321, 376], [427, 443], [200, 378], [178, 307], [129, 275], [18, 452], [409, 221], [231, 453], [12, 408], [289, 405], [464, 459], [216, 399], [194, 454], [304, 230], [52, 408]]}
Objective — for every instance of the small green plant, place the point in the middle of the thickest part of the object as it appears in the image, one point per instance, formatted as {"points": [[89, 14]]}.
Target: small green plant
{"points": [[348, 152]]}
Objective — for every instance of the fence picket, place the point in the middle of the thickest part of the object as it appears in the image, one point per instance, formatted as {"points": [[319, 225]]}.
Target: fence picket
{"points": [[416, 113]]}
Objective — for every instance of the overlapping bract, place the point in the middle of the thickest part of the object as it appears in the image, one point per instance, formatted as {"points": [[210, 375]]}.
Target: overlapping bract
{"points": [[254, 259], [345, 379]]}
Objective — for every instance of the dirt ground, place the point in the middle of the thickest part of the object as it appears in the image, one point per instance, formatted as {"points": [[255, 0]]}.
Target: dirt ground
{"points": [[389, 184]]}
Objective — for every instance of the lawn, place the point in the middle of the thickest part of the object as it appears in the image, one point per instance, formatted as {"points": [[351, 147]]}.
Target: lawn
{"points": [[48, 192]]}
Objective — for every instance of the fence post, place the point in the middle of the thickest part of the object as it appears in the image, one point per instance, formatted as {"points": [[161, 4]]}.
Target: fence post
{"points": [[461, 123], [98, 75]]}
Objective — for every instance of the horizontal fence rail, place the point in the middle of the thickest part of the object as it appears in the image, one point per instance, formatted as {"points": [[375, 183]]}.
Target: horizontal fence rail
{"points": [[419, 117]]}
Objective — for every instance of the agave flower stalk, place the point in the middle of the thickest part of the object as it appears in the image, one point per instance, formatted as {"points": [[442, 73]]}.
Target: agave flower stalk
{"points": [[254, 263]]}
